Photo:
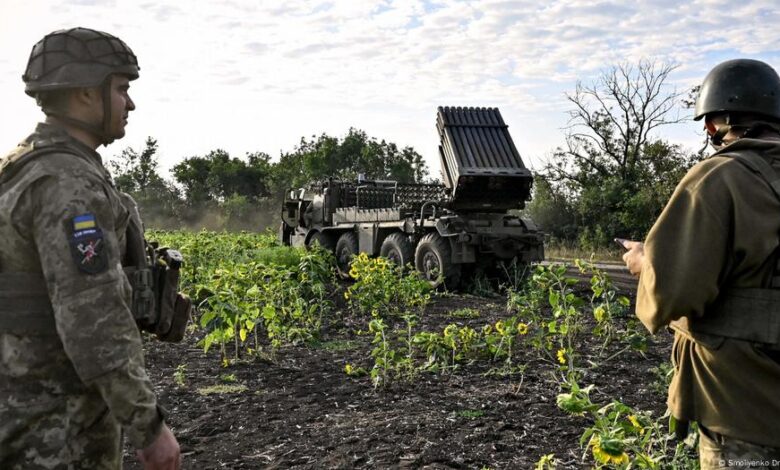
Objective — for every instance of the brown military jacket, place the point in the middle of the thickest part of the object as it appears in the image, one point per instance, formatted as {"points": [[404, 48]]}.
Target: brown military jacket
{"points": [[62, 221], [719, 230]]}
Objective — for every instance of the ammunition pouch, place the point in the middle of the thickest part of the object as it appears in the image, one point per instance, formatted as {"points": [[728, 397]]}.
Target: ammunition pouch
{"points": [[157, 306], [175, 309], [143, 304]]}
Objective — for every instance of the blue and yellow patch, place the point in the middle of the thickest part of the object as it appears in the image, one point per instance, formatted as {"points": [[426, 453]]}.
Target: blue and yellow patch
{"points": [[86, 245], [84, 222]]}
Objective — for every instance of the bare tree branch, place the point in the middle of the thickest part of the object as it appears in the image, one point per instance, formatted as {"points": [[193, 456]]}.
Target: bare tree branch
{"points": [[616, 115]]}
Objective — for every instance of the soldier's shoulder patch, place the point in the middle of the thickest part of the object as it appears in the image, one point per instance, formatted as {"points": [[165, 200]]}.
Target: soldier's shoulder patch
{"points": [[86, 245]]}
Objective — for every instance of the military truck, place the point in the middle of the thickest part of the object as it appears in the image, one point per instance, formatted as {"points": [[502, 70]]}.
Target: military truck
{"points": [[444, 230]]}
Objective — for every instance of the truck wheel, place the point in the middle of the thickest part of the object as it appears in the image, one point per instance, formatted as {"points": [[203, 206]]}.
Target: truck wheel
{"points": [[398, 249], [433, 258], [346, 248], [325, 240]]}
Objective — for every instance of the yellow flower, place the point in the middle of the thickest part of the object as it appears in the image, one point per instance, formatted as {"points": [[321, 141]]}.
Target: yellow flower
{"points": [[636, 424], [600, 313], [561, 356], [610, 453], [522, 329], [500, 326]]}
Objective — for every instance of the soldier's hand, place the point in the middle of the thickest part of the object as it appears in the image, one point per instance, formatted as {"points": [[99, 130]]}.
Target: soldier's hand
{"points": [[634, 256], [163, 453]]}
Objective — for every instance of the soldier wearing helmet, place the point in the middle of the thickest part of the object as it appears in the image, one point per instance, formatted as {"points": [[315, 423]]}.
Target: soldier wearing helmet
{"points": [[710, 269], [72, 370]]}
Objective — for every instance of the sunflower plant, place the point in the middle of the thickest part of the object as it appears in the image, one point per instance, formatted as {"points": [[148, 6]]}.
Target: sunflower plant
{"points": [[607, 305], [622, 437], [382, 288]]}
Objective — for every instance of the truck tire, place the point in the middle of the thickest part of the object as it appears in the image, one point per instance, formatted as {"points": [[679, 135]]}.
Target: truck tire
{"points": [[325, 240], [433, 258], [398, 249], [346, 248]]}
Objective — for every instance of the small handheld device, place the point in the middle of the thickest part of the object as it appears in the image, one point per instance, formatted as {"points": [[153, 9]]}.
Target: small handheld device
{"points": [[621, 242]]}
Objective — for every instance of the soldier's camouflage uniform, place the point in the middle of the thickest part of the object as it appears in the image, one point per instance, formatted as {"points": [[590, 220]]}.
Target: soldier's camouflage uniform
{"points": [[72, 375], [719, 452], [718, 232]]}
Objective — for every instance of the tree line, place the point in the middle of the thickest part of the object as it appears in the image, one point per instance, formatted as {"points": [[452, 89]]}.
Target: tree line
{"points": [[614, 174], [610, 178], [220, 191]]}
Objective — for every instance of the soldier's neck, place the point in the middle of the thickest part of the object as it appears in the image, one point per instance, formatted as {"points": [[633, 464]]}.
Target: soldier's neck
{"points": [[82, 135]]}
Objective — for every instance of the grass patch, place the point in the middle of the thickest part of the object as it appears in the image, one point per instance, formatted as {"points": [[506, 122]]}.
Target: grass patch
{"points": [[465, 313], [558, 250], [222, 389], [471, 414], [337, 345], [286, 256]]}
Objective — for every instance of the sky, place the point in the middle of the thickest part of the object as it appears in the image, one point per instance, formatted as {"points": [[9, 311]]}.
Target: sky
{"points": [[257, 76]]}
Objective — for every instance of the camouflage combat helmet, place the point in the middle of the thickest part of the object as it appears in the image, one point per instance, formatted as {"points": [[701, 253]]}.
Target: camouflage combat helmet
{"points": [[77, 58], [740, 85]]}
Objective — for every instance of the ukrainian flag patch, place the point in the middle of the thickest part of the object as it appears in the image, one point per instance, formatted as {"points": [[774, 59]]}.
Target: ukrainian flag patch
{"points": [[84, 222], [86, 245]]}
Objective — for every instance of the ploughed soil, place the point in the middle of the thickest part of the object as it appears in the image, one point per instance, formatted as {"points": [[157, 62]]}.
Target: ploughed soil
{"points": [[300, 410]]}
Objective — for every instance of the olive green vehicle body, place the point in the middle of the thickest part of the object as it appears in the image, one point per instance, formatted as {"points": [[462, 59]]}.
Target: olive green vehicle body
{"points": [[445, 230]]}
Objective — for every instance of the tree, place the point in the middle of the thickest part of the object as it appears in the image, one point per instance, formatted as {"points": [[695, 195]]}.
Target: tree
{"points": [[326, 156], [612, 168], [136, 173], [221, 191], [217, 176], [552, 210]]}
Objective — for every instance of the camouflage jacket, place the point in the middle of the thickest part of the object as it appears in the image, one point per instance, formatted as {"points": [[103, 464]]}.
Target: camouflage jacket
{"points": [[62, 221], [719, 231]]}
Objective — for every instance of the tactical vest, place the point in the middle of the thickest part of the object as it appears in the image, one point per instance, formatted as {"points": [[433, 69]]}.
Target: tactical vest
{"points": [[158, 308], [747, 314], [25, 305]]}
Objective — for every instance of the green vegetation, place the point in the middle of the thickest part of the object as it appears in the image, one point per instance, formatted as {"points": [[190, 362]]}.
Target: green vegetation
{"points": [[465, 313], [613, 176], [337, 345], [222, 389], [253, 294], [244, 282], [180, 376], [220, 191], [471, 414], [557, 250]]}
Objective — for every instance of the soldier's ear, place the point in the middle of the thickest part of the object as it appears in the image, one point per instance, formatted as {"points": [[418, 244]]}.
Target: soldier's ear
{"points": [[87, 96], [710, 126]]}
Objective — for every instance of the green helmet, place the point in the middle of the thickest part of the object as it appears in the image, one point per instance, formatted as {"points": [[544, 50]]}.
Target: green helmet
{"points": [[77, 58], [740, 85]]}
